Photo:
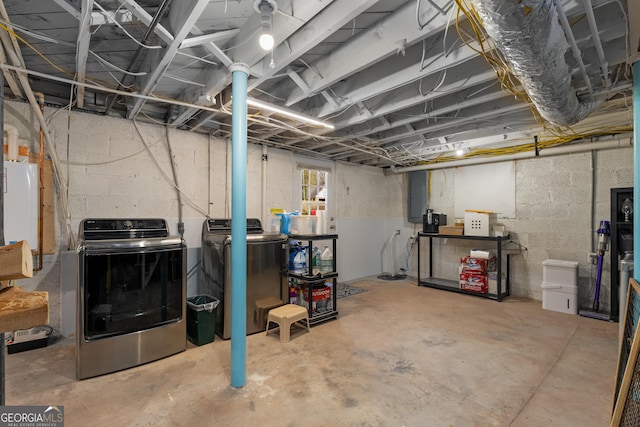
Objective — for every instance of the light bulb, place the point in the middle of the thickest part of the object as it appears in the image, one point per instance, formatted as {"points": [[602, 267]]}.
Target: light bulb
{"points": [[266, 41], [459, 152]]}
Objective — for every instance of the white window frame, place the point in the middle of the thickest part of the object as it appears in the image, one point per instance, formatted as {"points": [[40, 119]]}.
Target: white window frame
{"points": [[302, 163]]}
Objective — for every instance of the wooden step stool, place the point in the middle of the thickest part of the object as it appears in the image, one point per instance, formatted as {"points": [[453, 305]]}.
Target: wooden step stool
{"points": [[285, 316]]}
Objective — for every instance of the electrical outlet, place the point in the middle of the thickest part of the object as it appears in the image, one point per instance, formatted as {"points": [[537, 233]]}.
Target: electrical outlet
{"points": [[592, 258]]}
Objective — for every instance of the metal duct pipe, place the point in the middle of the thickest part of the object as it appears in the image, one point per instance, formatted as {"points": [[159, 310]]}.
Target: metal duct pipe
{"points": [[530, 38]]}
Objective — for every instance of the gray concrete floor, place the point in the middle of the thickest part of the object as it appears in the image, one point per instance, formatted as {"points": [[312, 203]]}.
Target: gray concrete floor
{"points": [[398, 355]]}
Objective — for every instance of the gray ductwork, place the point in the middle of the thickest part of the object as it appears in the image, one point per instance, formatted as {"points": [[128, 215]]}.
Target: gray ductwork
{"points": [[530, 38]]}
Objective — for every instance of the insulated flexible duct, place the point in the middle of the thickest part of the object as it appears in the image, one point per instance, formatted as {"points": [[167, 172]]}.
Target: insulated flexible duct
{"points": [[530, 38]]}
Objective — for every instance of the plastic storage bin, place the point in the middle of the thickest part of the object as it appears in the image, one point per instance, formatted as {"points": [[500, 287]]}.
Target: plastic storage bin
{"points": [[304, 224], [559, 272], [562, 298], [560, 286], [201, 319]]}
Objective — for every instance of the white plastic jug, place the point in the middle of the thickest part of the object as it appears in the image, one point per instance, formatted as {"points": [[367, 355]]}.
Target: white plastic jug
{"points": [[300, 262], [326, 260]]}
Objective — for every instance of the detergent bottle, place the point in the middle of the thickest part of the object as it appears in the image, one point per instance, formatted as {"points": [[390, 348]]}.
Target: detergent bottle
{"points": [[300, 262], [326, 260], [285, 220]]}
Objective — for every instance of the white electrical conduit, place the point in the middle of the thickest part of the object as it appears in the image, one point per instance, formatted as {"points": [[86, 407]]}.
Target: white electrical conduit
{"points": [[24, 71], [272, 122], [281, 125], [175, 181], [546, 152]]}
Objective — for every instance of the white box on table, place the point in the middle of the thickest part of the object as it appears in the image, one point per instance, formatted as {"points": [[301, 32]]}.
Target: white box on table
{"points": [[478, 223]]}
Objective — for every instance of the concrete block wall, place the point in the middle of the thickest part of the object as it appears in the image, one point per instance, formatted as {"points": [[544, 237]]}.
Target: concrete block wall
{"points": [[111, 173], [371, 206], [559, 203]]}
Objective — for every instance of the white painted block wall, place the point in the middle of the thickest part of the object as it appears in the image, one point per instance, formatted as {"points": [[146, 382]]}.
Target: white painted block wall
{"points": [[111, 173], [554, 213]]}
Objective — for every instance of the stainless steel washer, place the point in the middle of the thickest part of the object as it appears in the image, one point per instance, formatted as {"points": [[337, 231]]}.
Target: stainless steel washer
{"points": [[131, 294], [266, 272]]}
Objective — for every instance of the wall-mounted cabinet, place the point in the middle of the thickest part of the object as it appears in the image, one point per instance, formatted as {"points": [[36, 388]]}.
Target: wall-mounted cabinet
{"points": [[416, 196]]}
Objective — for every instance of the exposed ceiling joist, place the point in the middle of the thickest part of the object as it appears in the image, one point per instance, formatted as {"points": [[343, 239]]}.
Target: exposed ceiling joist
{"points": [[401, 81]]}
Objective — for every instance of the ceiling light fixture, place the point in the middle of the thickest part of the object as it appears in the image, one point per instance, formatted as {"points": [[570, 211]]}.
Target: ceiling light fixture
{"points": [[288, 113], [266, 8]]}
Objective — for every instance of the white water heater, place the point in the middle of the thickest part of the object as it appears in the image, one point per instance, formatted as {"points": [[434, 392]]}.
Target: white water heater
{"points": [[21, 203]]}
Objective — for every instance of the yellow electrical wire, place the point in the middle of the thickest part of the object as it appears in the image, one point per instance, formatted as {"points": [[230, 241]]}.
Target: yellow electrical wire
{"points": [[13, 33], [492, 55], [544, 142], [510, 83]]}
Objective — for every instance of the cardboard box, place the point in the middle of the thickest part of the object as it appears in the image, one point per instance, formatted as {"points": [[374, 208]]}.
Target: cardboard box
{"points": [[493, 282], [320, 298], [451, 230], [477, 265], [474, 282]]}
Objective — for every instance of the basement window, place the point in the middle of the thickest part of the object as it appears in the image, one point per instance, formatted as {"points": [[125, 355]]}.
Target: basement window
{"points": [[314, 190]]}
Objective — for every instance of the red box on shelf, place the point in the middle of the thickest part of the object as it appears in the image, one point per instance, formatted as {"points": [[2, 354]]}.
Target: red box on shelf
{"points": [[477, 265], [318, 293], [320, 298], [474, 282]]}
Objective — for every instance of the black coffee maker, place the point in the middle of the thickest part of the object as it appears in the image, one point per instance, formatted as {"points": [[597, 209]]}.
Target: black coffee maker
{"points": [[431, 221]]}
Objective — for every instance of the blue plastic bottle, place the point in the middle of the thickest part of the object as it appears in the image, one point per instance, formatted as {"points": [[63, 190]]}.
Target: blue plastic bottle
{"points": [[285, 220]]}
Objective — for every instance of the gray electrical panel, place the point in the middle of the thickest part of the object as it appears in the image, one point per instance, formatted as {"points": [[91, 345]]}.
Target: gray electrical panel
{"points": [[417, 196]]}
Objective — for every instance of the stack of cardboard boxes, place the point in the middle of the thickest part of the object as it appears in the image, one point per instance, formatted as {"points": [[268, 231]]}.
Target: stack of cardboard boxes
{"points": [[474, 273]]}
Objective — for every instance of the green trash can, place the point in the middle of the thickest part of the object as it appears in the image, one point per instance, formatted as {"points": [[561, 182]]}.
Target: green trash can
{"points": [[201, 319]]}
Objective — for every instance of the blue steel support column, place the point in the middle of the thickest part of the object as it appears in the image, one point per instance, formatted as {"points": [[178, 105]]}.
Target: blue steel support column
{"points": [[636, 168], [240, 73]]}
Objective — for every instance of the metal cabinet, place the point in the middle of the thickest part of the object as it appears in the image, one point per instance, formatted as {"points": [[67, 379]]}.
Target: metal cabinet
{"points": [[621, 229], [309, 284]]}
